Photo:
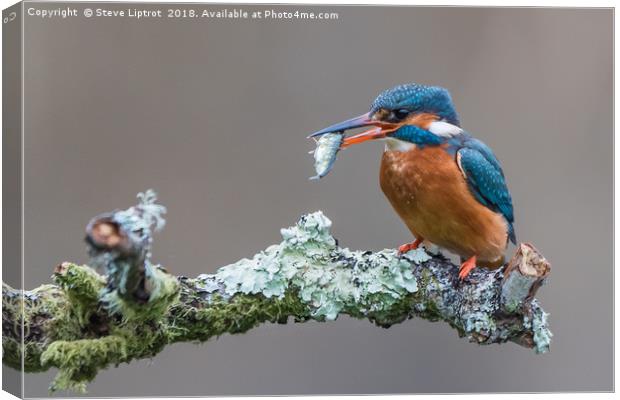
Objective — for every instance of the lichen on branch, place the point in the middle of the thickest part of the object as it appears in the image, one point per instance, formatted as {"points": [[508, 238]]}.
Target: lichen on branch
{"points": [[88, 321]]}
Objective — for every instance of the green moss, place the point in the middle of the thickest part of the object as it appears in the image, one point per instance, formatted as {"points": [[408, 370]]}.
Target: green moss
{"points": [[82, 286], [46, 316], [163, 291], [79, 361], [11, 353], [196, 319]]}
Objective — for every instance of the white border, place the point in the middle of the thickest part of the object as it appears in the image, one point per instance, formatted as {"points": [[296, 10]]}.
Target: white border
{"points": [[481, 3]]}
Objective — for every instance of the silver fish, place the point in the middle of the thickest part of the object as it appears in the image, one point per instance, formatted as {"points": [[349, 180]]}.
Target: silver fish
{"points": [[327, 148]]}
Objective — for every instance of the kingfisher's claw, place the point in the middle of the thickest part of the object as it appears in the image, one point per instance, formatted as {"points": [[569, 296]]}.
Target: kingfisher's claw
{"points": [[467, 267], [407, 247]]}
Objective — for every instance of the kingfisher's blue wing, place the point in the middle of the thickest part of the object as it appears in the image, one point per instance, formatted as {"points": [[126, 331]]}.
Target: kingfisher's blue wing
{"points": [[485, 179]]}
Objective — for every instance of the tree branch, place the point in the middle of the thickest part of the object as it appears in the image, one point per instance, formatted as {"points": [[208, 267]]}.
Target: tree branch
{"points": [[85, 321]]}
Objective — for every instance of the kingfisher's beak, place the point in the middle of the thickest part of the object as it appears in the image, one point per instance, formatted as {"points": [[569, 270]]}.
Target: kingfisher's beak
{"points": [[380, 129]]}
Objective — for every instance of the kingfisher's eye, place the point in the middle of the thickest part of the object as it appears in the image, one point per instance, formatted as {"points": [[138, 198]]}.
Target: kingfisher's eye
{"points": [[400, 114]]}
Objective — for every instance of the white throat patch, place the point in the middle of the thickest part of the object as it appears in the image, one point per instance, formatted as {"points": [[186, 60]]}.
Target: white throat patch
{"points": [[393, 144], [444, 129]]}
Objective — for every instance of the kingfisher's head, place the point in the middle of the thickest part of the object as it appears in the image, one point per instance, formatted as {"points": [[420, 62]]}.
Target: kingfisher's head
{"points": [[411, 113]]}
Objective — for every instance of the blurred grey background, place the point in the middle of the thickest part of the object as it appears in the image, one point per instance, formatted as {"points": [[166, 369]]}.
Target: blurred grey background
{"points": [[213, 114]]}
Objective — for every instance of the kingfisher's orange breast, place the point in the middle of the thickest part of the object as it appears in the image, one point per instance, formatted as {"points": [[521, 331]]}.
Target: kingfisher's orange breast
{"points": [[430, 194]]}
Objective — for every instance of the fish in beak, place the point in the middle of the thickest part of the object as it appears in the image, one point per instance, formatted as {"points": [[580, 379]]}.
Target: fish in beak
{"points": [[379, 130]]}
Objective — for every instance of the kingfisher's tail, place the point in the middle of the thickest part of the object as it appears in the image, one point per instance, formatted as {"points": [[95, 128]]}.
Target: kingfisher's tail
{"points": [[511, 233]]}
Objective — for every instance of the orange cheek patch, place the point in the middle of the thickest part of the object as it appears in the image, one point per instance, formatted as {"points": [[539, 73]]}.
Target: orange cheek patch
{"points": [[422, 120]]}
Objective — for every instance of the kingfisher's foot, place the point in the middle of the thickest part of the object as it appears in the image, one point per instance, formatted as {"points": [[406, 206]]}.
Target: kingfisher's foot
{"points": [[410, 246], [466, 267]]}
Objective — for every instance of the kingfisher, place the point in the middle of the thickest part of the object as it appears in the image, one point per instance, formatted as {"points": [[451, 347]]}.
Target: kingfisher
{"points": [[447, 186]]}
